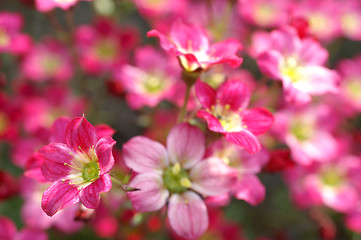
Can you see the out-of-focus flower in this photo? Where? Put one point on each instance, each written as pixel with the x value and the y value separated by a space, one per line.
pixel 191 45
pixel 248 186
pixel 8 185
pixel 153 78
pixel 226 112
pixel 307 133
pixel 265 13
pixel 79 168
pixel 298 63
pixel 11 40
pixel 350 19
pixel 104 46
pixel 176 175
pixel 334 184
pixel 49 60
pixel 48 5
pixel 7 229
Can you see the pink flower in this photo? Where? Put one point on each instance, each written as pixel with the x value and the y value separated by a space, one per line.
pixel 298 63
pixel 153 78
pixel 49 60
pixel 191 45
pixel 79 168
pixel 11 40
pixel 248 187
pixel 225 112
pixel 48 5
pixel 7 229
pixel 177 175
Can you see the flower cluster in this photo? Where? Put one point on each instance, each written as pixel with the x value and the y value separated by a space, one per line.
pixel 217 119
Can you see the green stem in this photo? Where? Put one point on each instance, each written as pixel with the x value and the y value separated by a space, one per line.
pixel 183 111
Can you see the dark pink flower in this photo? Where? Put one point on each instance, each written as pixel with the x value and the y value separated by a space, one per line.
pixel 225 112
pixel 79 168
pixel 191 45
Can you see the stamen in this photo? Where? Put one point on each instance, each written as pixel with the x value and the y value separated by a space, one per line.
pixel 176 168
pixel 71 166
pixel 185 182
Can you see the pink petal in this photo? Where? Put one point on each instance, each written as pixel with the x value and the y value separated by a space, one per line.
pixel 31 234
pixel 7 228
pixel 312 53
pixel 257 120
pixel 186 145
pixel 104 130
pixel 90 195
pixel 188 215
pixel 80 134
pixel 144 155
pixel 164 42
pixel 54 156
pixel 244 139
pixel 234 93
pixel 213 122
pixel 58 129
pixel 212 177
pixel 250 189
pixel 152 195
pixel 225 52
pixel 104 150
pixel 268 63
pixel 205 94
pixel 343 199
pixel 189 37
pixel 59 196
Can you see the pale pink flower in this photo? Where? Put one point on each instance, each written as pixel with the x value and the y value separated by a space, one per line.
pixel 177 174
pixel 298 63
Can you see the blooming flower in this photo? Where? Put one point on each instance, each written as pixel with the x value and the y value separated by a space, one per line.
pixel 79 168
pixel 47 5
pixel 176 175
pixel 225 112
pixel 298 63
pixel 191 45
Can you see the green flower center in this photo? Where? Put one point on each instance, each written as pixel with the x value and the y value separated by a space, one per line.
pixel 90 171
pixel 175 179
pixel 331 177
pixel 302 130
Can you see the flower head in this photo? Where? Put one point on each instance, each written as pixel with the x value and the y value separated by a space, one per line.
pixel 79 168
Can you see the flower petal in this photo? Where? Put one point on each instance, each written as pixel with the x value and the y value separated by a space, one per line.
pixel 205 94
pixel 104 150
pixel 152 195
pixel 58 130
pixel 244 139
pixel 187 214
pixel 250 189
pixel 186 145
pixel 257 120
pixel 145 155
pixel 213 123
pixel 59 196
pixel 213 177
pixel 234 93
pixel 90 195
pixel 80 134
pixel 54 156
pixel 225 52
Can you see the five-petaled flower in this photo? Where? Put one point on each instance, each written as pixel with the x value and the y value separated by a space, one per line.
pixel 225 112
pixel 178 175
pixel 191 45
pixel 79 168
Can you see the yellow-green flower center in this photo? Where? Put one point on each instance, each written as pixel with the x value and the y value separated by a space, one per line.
pixel 175 179
pixel 230 120
pixel 90 171
pixel 332 177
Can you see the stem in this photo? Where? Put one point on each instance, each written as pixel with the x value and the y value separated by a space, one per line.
pixel 183 111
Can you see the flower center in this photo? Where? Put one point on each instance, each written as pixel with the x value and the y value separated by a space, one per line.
pixel 106 49
pixel 302 130
pixel 331 177
pixel 90 171
pixel 292 70
pixel 4 38
pixel 353 88
pixel 153 84
pixel 230 120
pixel 175 179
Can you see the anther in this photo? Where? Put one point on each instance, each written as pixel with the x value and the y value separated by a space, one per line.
pixel 185 182
pixel 176 168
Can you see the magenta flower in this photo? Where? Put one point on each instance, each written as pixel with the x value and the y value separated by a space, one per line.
pixel 225 112
pixel 176 175
pixel 48 5
pixel 191 45
pixel 79 168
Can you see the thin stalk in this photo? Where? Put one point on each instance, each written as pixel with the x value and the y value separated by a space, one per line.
pixel 183 111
